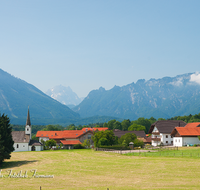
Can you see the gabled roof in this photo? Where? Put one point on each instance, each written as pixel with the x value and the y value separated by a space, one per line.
pixel 73 134
pixel 50 134
pixel 20 137
pixel 191 129
pixel 166 126
pixel 70 142
pixel 67 134
pixel 137 133
pixel 34 143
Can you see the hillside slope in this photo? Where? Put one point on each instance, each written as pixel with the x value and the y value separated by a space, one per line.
pixel 16 95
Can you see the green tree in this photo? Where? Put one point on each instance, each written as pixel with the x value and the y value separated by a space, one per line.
pixel 86 143
pixel 152 120
pixel 50 143
pixel 105 125
pixel 53 128
pixel 136 127
pixel 127 138
pixel 117 125
pixel 35 138
pixel 144 122
pixel 111 123
pixel 103 142
pixel 138 143
pixel 161 119
pixel 6 141
pixel 108 135
pixel 61 145
pixel 125 124
pixel 130 137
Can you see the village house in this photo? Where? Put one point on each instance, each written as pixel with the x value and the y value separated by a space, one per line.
pixel 22 139
pixel 119 133
pixel 69 137
pixel 161 131
pixel 188 135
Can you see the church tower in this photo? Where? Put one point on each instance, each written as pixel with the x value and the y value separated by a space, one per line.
pixel 28 125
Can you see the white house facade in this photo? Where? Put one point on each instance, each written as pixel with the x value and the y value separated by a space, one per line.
pixel 161 132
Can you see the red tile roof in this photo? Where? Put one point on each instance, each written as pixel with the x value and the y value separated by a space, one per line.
pixel 95 129
pixel 67 134
pixel 191 129
pixel 70 142
pixel 50 134
pixel 195 124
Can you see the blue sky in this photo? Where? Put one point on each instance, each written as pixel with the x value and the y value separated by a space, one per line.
pixel 87 44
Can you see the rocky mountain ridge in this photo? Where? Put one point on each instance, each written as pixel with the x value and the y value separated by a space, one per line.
pixel 64 95
pixel 166 97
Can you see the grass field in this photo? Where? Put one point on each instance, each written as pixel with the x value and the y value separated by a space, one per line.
pixel 191 152
pixel 88 169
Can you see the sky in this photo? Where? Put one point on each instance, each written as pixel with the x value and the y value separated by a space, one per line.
pixel 87 44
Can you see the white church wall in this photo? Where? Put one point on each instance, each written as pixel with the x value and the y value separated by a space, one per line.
pixel 21 147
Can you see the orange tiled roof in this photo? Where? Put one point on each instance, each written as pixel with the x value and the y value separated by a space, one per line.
pixel 50 134
pixel 70 142
pixel 191 129
pixel 67 134
pixel 95 129
pixel 195 124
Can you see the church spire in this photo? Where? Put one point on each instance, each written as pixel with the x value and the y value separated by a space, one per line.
pixel 28 121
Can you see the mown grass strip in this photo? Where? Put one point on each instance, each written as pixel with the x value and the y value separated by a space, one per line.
pixel 181 152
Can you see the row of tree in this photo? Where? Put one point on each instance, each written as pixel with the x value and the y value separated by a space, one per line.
pixel 107 138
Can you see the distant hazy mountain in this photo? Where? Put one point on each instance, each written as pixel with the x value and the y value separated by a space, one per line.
pixel 166 97
pixel 64 95
pixel 16 95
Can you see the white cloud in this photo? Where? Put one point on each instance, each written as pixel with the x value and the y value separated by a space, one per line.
pixel 195 78
pixel 178 82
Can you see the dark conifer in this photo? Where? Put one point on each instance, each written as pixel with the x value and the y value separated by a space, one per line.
pixel 6 141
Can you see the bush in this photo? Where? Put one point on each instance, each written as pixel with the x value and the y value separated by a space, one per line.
pixel 78 146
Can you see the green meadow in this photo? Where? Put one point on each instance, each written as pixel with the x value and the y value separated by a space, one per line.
pixel 88 169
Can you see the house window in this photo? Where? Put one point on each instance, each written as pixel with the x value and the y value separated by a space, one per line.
pixel 175 140
pixel 166 136
pixel 179 140
pixel 167 142
pixel 17 146
pixel 89 136
pixel 171 142
pixel 27 129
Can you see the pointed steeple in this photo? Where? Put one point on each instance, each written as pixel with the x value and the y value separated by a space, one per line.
pixel 28 121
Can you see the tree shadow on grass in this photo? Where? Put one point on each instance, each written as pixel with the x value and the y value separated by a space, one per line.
pixel 11 164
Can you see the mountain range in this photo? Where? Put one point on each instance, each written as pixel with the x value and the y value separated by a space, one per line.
pixel 160 98
pixel 16 95
pixel 64 95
